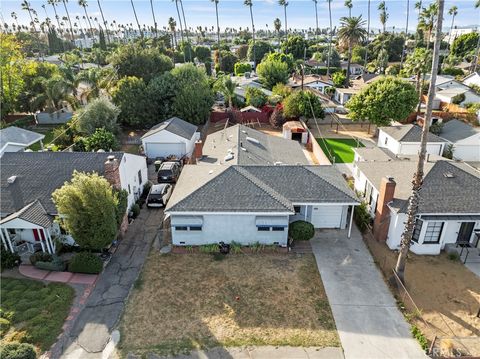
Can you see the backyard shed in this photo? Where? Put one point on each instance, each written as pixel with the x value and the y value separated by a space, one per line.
pixel 294 130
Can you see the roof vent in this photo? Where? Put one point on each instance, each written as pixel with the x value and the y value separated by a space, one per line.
pixel 11 179
pixel 278 163
pixel 229 157
pixel 253 140
pixel 111 157
pixel 449 175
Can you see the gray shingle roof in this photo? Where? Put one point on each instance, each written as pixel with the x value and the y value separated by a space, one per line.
pixel 238 139
pixel 174 125
pixel 257 188
pixel 18 135
pixel 456 130
pixel 33 213
pixel 409 133
pixel 38 174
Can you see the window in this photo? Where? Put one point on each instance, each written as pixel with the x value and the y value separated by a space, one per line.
pixel 278 229
pixel 263 229
pixel 297 209
pixel 139 176
pixel 181 228
pixel 433 232
pixel 386 140
pixel 417 230
pixel 195 228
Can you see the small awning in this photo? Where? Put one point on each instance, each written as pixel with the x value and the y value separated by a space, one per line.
pixel 187 220
pixel 458 217
pixel 267 221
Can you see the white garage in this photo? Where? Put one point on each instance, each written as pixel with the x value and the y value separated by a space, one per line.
pixel 171 137
pixel 326 216
pixel 464 139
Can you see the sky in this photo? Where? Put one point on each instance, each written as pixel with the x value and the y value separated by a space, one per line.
pixel 232 13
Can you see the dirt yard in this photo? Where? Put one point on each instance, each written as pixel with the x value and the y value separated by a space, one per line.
pixel 447 293
pixel 192 301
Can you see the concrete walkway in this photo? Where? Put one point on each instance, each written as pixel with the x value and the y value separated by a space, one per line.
pixel 368 321
pixel 93 327
pixel 30 271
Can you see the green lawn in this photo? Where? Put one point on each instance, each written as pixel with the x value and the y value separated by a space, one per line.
pixel 340 148
pixel 33 312
pixel 48 132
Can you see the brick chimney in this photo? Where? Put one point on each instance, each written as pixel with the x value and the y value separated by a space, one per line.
pixel 382 213
pixel 112 172
pixel 198 150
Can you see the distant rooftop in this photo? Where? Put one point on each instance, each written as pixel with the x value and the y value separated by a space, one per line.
pixel 455 130
pixel 19 136
pixel 408 133
pixel 174 125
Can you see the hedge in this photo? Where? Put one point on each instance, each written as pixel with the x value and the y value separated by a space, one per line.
pixel 301 231
pixel 8 259
pixel 56 264
pixel 85 262
pixel 40 257
pixel 17 351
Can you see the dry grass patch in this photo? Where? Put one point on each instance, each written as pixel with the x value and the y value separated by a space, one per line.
pixel 193 301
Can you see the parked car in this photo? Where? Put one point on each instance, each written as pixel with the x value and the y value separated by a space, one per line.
pixel 169 172
pixel 159 195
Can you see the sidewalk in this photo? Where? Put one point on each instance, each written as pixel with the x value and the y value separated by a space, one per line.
pixel 30 271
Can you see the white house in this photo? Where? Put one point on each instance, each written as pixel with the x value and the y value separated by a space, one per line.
pixel 355 69
pixel 464 138
pixel 317 82
pixel 405 140
pixel 14 139
pixel 28 180
pixel 472 79
pixel 250 204
pixel 171 137
pixel 449 211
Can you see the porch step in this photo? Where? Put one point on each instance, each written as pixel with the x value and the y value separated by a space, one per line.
pixel 302 247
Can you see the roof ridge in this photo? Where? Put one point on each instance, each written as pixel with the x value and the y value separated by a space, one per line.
pixel 309 169
pixel 262 185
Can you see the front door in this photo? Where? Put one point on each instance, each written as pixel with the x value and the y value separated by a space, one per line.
pixel 465 232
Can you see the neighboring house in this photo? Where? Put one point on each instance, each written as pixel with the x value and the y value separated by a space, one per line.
pixel 405 140
pixel 28 180
pixel 14 139
pixel 449 209
pixel 451 94
pixel 244 82
pixel 171 137
pixel 464 138
pixel 317 82
pixel 355 69
pixel 243 145
pixel 342 95
pixel 472 79
pixel 250 204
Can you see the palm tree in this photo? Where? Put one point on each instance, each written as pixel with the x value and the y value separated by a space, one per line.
pixel 26 6
pixel 218 26
pixel 417 63
pixel 83 3
pixel 249 3
pixel 330 29
pixel 15 17
pixel 154 21
pixel 171 25
pixel 382 7
pixel 136 19
pixel 103 19
pixel 368 33
pixel 277 24
pixel 54 5
pixel 414 199
pixel 186 31
pixel 316 17
pixel 284 3
pixel 453 12
pixel 406 35
pixel 349 5
pixel 68 17
pixel 226 86
pixel 179 19
pixel 56 91
pixel 428 19
pixel 352 32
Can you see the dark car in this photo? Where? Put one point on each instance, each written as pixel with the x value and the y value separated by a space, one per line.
pixel 168 172
pixel 159 195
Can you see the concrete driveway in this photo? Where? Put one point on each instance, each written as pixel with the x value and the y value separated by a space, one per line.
pixel 368 321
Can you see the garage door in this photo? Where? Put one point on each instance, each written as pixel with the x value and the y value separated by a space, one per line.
pixel 153 150
pixel 327 216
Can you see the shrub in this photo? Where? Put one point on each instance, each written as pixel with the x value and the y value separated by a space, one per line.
pixel 242 67
pixel 277 119
pixel 417 334
pixel 209 248
pixel 56 264
pixel 4 326
pixel 452 71
pixel 85 262
pixel 135 210
pixel 362 217
pixel 17 351
pixel 436 128
pixel 40 257
pixel 301 231
pixel 454 256
pixel 8 259
pixel 458 99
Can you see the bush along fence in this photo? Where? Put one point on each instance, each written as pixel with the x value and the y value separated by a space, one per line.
pixel 235 248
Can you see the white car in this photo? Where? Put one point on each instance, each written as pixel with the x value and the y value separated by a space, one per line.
pixel 159 195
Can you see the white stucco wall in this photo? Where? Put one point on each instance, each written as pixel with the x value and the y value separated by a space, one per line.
pixel 467 149
pixel 407 148
pixel 391 144
pixel 129 167
pixel 166 137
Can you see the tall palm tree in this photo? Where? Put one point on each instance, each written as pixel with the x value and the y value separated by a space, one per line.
pixel 218 25
pixel 406 35
pixel 226 86
pixel 453 12
pixel 316 18
pixel 103 19
pixel 428 19
pixel 136 19
pixel 15 17
pixel 179 19
pixel 418 6
pixel 348 4
pixel 414 199
pixel 68 18
pixel 83 3
pixel 186 31
pixel 277 24
pixel 171 25
pixel 330 29
pixel 27 7
pixel 382 7
pixel 352 31
pixel 154 21
pixel 368 33
pixel 284 3
pixel 249 3
pixel 54 5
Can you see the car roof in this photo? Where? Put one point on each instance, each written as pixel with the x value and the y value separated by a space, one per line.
pixel 158 188
pixel 168 165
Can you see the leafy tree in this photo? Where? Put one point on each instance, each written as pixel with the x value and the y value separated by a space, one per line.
pixel 279 56
pixel 129 96
pixel 295 45
pixel 452 71
pixel 277 119
pixel 261 49
pixel 255 97
pixel 303 104
pixel 242 67
pixel 145 63
pixel 358 54
pixel 101 140
pixel 227 61
pixel 334 57
pixel 465 45
pixel 281 90
pixel 393 70
pixel 242 52
pixel 194 97
pixel 160 94
pixel 88 204
pixel 383 101
pixel 202 53
pixel 338 78
pixel 11 69
pixel 100 113
pixel 272 72
pixel 392 43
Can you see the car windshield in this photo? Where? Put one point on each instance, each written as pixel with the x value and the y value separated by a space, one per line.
pixel 155 196
pixel 165 173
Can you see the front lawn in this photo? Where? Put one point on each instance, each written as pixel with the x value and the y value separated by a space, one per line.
pixel 188 301
pixel 340 148
pixel 33 312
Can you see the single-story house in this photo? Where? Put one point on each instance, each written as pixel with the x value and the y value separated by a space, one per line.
pixel 242 145
pixel 472 79
pixel 405 140
pixel 464 138
pixel 244 82
pixel 171 137
pixel 449 95
pixel 317 82
pixel 342 95
pixel 28 179
pixel 355 69
pixel 449 210
pixel 250 204
pixel 14 139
